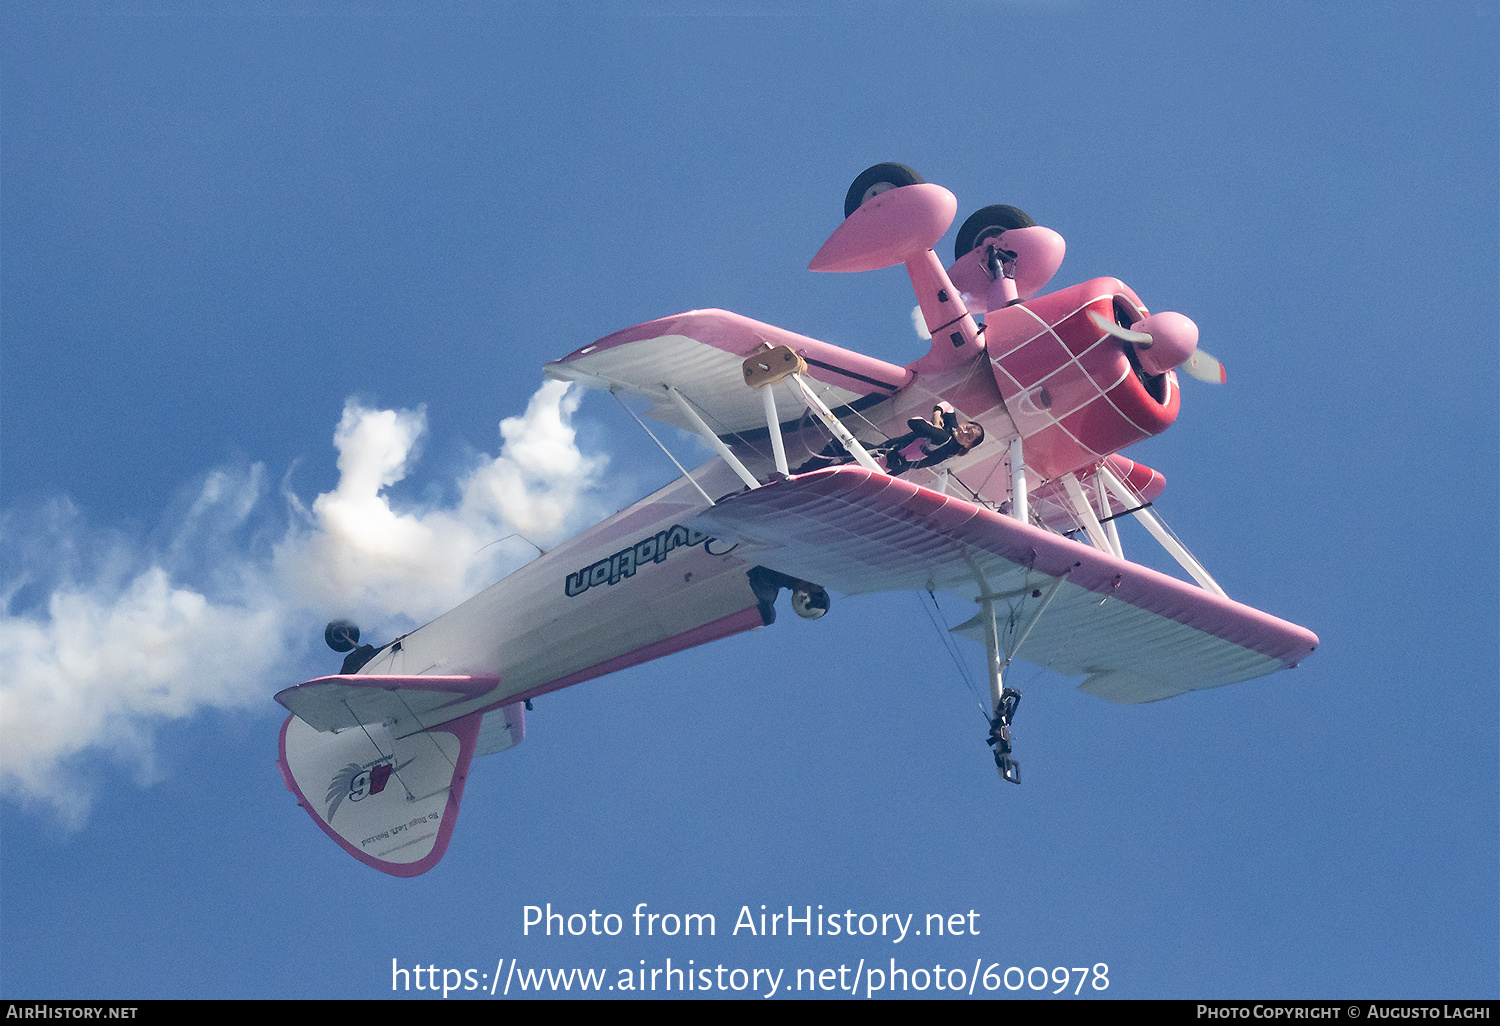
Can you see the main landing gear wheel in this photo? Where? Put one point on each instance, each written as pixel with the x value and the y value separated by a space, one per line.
pixel 875 180
pixel 986 224
pixel 809 601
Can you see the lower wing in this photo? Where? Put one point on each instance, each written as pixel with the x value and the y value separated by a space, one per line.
pixel 1137 635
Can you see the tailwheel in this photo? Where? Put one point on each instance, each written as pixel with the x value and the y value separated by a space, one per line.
pixel 341 635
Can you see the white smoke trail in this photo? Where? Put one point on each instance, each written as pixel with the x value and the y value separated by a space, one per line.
pixel 118 647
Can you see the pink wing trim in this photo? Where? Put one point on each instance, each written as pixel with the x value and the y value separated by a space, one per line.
pixel 890 530
pixel 741 336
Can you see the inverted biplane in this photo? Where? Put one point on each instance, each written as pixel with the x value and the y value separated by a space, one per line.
pixel 833 471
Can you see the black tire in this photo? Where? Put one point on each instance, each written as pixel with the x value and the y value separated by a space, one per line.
pixel 891 176
pixel 983 224
pixel 341 636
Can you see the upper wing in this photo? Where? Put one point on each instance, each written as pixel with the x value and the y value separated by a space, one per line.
pixel 1138 635
pixel 700 354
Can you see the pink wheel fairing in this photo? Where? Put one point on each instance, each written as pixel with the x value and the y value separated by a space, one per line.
pixel 888 228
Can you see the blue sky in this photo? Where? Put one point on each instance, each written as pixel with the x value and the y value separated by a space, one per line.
pixel 220 223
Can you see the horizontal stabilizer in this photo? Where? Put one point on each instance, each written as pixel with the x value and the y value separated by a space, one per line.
pixel 1135 633
pixel 405 704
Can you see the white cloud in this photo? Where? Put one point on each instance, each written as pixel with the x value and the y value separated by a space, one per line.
pixel 354 553
pixel 540 475
pixel 919 322
pixel 113 651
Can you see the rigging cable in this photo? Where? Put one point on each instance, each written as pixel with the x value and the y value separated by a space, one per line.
pixel 951 647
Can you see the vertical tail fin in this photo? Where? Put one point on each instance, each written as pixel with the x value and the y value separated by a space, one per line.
pixel 389 801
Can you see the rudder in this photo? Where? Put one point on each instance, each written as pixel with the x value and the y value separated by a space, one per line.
pixel 390 802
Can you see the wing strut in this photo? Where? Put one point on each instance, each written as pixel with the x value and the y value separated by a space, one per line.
pixel 1110 530
pixel 765 368
pixel 1086 513
pixel 663 448
pixel 773 425
pixel 1182 555
pixel 1018 498
pixel 839 431
pixel 714 441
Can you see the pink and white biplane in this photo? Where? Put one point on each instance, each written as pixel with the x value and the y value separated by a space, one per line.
pixel 833 471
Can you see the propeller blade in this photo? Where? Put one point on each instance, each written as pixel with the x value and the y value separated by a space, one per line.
pixel 1109 327
pixel 1205 368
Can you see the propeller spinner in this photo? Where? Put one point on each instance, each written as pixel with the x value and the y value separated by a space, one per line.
pixel 1164 341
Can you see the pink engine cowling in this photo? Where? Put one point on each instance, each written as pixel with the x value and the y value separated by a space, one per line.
pixel 1077 393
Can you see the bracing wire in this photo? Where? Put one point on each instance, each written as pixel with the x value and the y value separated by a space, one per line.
pixel 690 479
pixel 879 430
pixel 707 415
pixel 951 648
